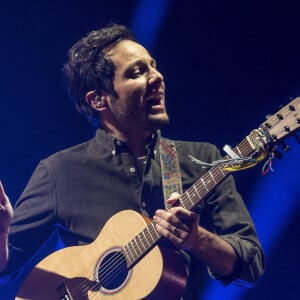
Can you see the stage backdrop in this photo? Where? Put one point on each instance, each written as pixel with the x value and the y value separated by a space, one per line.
pixel 227 64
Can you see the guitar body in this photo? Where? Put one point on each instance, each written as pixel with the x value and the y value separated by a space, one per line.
pixel 83 272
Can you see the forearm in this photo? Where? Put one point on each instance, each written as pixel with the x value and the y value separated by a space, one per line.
pixel 215 252
pixel 3 252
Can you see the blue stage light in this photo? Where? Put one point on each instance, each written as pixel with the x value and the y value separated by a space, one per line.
pixel 147 19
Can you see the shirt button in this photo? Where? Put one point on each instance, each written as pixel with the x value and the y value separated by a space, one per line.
pixel 132 170
pixel 143 204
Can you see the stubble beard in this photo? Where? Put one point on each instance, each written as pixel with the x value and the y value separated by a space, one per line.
pixel 134 118
pixel 156 121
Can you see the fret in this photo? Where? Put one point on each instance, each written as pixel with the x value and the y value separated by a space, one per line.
pixel 145 240
pixel 157 235
pixel 196 190
pixel 136 247
pixel 203 182
pixel 208 182
pixel 135 254
pixel 189 197
pixel 181 201
pixel 221 170
pixel 141 242
pixel 217 175
pixel 211 175
pixel 238 150
pixel 127 255
pixel 150 236
pixel 246 146
pixel 145 237
pixel 127 247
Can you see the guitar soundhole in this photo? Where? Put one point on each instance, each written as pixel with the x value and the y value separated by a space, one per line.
pixel 112 272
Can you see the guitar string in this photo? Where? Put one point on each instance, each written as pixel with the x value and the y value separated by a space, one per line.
pixel 112 266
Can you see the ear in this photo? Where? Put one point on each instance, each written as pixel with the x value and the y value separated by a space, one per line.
pixel 95 101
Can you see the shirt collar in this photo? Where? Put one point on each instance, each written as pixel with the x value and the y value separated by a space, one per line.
pixel 116 146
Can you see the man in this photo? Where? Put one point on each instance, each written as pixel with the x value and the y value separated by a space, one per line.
pixel 116 85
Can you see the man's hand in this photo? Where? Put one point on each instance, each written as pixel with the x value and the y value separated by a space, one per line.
pixel 6 211
pixel 177 224
pixel 182 228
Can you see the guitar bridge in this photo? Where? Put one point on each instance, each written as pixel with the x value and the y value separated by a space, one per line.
pixel 63 293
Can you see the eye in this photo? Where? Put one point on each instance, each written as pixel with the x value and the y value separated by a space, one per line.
pixel 137 70
pixel 136 73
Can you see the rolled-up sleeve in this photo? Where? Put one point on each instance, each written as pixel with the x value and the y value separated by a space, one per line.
pixel 227 216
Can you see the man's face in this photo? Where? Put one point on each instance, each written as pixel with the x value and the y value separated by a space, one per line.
pixel 140 104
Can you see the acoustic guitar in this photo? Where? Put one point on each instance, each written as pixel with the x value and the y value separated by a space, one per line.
pixel 129 260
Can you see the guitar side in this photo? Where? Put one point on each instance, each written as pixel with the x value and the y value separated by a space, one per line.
pixel 72 272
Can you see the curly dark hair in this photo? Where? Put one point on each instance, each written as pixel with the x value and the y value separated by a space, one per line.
pixel 89 69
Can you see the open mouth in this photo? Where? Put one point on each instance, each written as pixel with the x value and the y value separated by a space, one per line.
pixel 154 101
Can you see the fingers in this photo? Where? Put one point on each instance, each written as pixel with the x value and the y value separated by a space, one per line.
pixel 173 199
pixel 176 224
pixel 172 233
pixel 169 222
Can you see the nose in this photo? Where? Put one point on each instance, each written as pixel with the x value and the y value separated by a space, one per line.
pixel 155 76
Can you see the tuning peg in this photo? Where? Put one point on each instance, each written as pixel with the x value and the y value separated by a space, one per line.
pixel 279 116
pixel 292 107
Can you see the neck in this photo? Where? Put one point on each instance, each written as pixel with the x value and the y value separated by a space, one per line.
pixel 136 140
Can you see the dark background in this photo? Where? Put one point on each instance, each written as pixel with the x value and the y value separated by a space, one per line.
pixel 227 64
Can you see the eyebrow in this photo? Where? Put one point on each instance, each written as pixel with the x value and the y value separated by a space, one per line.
pixel 139 61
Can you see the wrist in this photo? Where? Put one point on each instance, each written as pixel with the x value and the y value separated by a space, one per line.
pixel 201 242
pixel 215 252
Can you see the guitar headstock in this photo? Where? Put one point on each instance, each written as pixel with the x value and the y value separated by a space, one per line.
pixel 284 123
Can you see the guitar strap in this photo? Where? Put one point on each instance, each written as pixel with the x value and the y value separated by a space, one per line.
pixel 171 177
